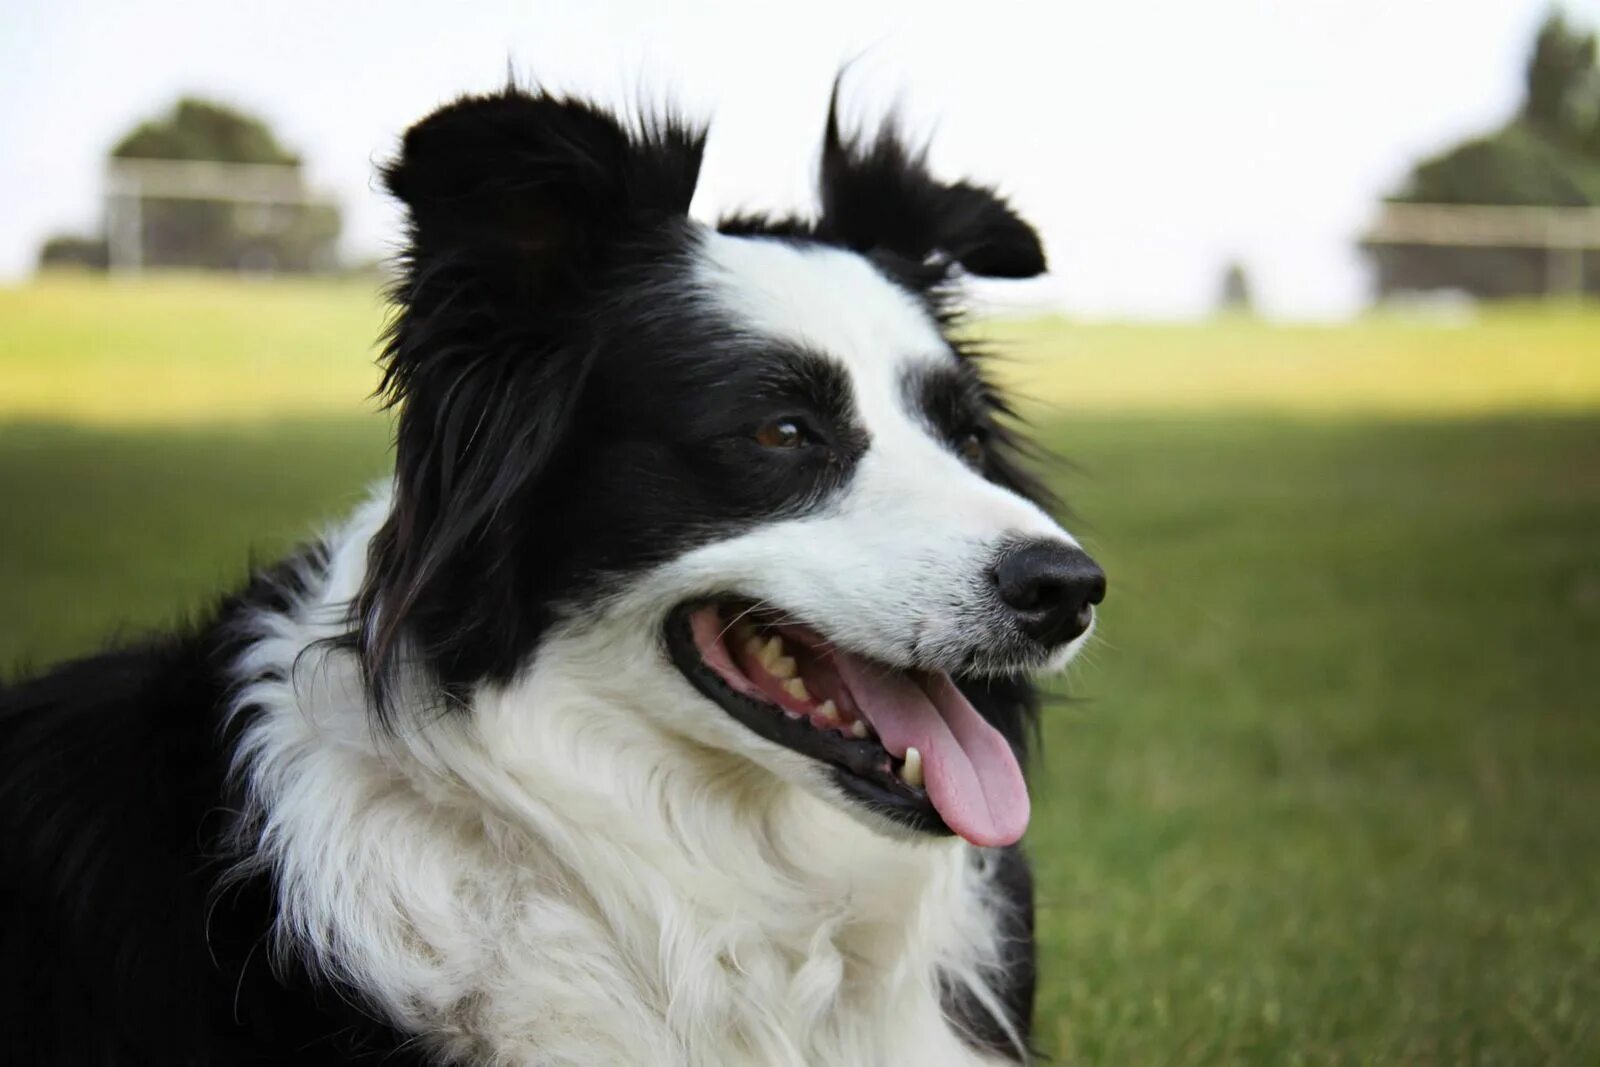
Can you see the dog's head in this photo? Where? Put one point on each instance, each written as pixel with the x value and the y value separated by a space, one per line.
pixel 753 458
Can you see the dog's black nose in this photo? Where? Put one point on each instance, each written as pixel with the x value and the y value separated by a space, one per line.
pixel 1051 587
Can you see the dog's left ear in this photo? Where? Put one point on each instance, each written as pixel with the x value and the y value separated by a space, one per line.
pixel 878 195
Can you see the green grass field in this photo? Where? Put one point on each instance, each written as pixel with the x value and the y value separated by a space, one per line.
pixel 1327 791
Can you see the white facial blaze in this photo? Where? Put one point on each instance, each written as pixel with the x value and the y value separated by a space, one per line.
pixel 894 566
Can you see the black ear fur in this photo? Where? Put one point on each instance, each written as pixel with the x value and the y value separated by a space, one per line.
pixel 519 206
pixel 878 196
pixel 539 184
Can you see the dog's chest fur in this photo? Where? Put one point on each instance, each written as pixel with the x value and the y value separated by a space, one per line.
pixel 543 883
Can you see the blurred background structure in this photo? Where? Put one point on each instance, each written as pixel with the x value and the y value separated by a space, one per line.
pixel 204 187
pixel 1514 212
pixel 1320 343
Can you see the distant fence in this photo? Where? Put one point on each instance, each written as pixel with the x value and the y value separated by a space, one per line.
pixel 1564 234
pixel 129 183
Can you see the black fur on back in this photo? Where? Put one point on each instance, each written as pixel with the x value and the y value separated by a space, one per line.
pixel 116 946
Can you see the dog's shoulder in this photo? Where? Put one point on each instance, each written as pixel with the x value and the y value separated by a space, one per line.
pixel 106 773
pixel 116 943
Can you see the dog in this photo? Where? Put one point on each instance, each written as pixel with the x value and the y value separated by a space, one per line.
pixel 668 704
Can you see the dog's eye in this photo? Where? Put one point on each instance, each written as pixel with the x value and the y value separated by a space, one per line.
pixel 782 433
pixel 970 446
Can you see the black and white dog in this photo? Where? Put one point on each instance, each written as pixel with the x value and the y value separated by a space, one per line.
pixel 665 707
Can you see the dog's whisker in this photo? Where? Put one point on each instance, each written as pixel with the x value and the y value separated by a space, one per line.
pixel 736 619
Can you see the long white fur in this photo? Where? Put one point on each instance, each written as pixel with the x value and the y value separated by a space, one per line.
pixel 599 866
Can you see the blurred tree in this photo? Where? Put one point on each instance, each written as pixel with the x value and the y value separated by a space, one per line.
pixel 1563 85
pixel 1548 156
pixel 217 234
pixel 200 129
pixel 1236 296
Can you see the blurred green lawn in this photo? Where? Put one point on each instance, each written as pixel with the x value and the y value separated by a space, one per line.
pixel 1328 790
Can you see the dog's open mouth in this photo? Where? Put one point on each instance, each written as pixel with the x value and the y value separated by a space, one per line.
pixel 905 742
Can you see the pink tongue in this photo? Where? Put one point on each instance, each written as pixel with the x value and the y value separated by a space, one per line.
pixel 969 770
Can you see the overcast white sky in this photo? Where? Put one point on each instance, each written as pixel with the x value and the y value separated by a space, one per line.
pixel 1148 140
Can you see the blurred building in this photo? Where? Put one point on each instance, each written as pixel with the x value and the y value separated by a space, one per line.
pixel 206 187
pixel 1515 212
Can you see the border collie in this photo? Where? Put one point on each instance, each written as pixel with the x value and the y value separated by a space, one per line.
pixel 665 707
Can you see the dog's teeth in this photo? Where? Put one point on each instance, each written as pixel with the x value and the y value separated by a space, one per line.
pixel 828 711
pixel 858 729
pixel 771 651
pixel 796 688
pixel 782 667
pixel 911 773
pixel 752 647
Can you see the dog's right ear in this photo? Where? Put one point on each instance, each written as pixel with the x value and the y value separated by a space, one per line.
pixel 518 205
pixel 535 191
